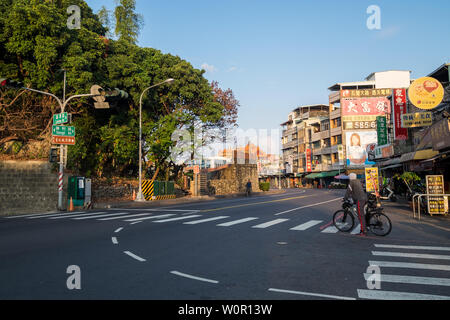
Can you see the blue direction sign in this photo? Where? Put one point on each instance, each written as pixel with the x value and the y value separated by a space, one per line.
pixel 60 118
pixel 63 131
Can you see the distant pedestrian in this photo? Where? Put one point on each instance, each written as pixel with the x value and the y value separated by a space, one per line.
pixel 248 188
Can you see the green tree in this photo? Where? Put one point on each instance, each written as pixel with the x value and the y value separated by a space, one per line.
pixel 128 23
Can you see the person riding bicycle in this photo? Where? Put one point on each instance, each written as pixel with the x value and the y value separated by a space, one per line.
pixel 248 187
pixel 355 191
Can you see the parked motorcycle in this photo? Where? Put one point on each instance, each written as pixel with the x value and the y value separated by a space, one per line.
pixel 387 194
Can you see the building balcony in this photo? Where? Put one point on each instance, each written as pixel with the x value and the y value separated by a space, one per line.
pixel 320 135
pixel 336 131
pixel 335 114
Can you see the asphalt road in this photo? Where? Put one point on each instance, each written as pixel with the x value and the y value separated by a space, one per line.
pixel 274 247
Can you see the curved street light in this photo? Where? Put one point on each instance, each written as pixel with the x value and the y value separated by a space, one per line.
pixel 140 196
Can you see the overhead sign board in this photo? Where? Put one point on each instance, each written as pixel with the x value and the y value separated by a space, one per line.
pixel 426 93
pixel 415 120
pixel 435 185
pixel 366 93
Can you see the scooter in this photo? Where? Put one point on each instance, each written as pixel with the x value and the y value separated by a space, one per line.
pixel 388 194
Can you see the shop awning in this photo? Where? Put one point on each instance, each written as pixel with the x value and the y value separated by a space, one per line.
pixel 312 176
pixel 342 177
pixel 419 155
pixel 392 167
pixel 329 174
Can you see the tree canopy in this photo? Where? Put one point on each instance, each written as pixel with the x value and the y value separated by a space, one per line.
pixel 35 45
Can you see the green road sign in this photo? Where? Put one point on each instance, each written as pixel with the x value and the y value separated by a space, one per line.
pixel 63 131
pixel 60 118
pixel 382 131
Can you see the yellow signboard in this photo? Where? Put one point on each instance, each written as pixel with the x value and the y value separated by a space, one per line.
pixel 426 93
pixel 372 180
pixel 419 119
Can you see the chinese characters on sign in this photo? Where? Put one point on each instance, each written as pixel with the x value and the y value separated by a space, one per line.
pixel 435 185
pixel 414 120
pixel 382 131
pixel 400 133
pixel 308 160
pixel 63 140
pixel 366 107
pixel 426 93
pixel 372 182
pixel 367 93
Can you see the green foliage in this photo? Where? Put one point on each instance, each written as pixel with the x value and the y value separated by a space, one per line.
pixel 35 44
pixel 264 186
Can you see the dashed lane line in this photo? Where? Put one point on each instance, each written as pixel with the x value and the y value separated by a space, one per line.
pixel 180 274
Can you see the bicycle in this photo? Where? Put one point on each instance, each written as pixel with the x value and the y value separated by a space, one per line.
pixel 376 221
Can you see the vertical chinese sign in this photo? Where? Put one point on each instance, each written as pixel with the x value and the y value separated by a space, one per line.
pixel 400 133
pixel 308 160
pixel 435 185
pixel 382 131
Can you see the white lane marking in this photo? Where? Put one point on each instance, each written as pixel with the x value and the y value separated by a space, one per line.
pixel 311 294
pixel 177 219
pixel 134 256
pixel 43 216
pixel 232 223
pixel 114 240
pixel 330 230
pixel 102 216
pixel 206 220
pixel 68 216
pixel 410 255
pixel 391 264
pixel 126 217
pixel 149 218
pixel 270 223
pixel 307 225
pixel 387 246
pixel 411 280
pixel 118 230
pixel 177 273
pixel 308 206
pixel 392 295
pixel 136 222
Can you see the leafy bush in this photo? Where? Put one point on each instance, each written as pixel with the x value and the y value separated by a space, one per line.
pixel 264 186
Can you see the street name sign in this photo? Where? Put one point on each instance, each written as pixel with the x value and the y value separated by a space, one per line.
pixel 60 118
pixel 63 131
pixel 69 141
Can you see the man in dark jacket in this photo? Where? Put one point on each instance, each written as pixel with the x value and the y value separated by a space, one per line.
pixel 356 192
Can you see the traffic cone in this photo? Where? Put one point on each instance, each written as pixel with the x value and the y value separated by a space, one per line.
pixel 71 205
pixel 134 195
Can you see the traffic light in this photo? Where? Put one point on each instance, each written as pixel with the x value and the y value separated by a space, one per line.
pixel 13 84
pixel 116 94
pixel 54 155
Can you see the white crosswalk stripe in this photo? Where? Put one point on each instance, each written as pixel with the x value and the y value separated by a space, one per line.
pixel 236 222
pixel 178 219
pixel 206 220
pixel 270 224
pixel 136 220
pixel 330 230
pixel 126 217
pixel 307 225
pixel 102 216
pixel 391 273
pixel 69 216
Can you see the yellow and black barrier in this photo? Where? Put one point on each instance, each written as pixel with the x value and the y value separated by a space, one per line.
pixel 158 190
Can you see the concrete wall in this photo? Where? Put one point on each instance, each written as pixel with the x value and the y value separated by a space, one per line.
pixel 28 187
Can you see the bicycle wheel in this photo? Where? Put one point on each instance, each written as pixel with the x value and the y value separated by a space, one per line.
pixel 380 224
pixel 343 220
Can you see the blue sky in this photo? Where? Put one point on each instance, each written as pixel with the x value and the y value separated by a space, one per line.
pixel 277 55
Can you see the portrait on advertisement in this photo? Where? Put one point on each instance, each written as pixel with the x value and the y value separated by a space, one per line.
pixel 357 143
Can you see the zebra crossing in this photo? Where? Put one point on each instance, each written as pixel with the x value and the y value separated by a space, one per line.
pixel 186 217
pixel 421 273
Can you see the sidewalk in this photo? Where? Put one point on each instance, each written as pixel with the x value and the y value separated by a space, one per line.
pixel 403 206
pixel 183 200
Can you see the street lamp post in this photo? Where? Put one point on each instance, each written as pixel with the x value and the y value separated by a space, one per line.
pixel 140 196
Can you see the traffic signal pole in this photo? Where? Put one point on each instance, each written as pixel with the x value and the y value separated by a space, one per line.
pixel 62 105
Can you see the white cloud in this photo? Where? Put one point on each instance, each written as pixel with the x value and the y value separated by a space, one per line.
pixel 208 68
pixel 232 69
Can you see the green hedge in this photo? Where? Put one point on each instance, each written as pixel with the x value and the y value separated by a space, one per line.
pixel 264 186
